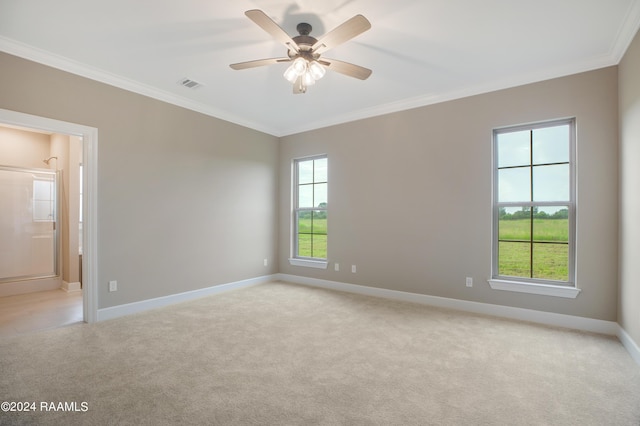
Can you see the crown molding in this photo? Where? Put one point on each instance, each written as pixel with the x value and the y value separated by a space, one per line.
pixel 627 32
pixel 62 63
pixel 479 89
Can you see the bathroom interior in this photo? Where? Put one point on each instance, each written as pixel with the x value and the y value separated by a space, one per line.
pixel 40 230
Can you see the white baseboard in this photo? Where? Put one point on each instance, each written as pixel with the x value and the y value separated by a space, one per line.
pixel 145 305
pixel 539 317
pixel 29 286
pixel 71 287
pixel 631 346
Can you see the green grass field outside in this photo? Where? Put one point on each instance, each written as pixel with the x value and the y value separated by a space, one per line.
pixel 550 261
pixel 312 237
pixel 543 229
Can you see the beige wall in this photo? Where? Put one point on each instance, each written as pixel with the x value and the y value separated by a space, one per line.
pixel 410 194
pixel 19 148
pixel 185 201
pixel 629 95
pixel 66 149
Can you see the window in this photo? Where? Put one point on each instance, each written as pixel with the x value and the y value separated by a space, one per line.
pixel 310 212
pixel 534 208
pixel 44 198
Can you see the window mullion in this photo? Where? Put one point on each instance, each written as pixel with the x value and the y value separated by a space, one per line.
pixel 532 205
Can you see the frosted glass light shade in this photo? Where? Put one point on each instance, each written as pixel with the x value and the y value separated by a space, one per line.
pixel 300 65
pixel 308 80
pixel 291 74
pixel 316 70
pixel 296 69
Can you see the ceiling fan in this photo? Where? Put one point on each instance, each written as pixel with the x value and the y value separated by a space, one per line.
pixel 304 51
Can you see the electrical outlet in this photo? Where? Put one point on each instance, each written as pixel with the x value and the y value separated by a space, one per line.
pixel 336 267
pixel 353 269
pixel 469 282
pixel 266 262
pixel 113 286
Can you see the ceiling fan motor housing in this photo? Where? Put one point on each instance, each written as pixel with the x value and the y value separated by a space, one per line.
pixel 304 42
pixel 304 29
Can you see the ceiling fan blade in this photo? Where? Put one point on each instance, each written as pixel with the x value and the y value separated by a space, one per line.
pixel 258 63
pixel 343 32
pixel 346 68
pixel 268 24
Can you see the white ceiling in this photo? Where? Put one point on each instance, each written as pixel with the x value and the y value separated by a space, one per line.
pixel 421 51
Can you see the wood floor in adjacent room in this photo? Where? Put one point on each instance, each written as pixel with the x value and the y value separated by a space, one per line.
pixel 42 310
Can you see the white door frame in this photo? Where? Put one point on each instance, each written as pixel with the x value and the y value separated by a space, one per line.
pixel 89 197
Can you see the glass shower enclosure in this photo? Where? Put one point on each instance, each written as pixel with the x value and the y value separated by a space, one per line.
pixel 28 223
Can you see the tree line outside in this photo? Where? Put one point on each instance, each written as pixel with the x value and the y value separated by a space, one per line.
pixel 525 213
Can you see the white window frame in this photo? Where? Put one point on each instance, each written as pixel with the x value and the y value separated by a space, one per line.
pixel 294 259
pixel 566 289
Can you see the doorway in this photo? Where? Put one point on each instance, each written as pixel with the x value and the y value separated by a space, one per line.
pixel 29 224
pixel 88 210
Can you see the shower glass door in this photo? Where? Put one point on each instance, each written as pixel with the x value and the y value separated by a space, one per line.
pixel 28 217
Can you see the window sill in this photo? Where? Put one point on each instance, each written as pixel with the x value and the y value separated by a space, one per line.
pixel 319 264
pixel 543 289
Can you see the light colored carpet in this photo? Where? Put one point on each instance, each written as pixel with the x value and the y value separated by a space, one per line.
pixel 278 354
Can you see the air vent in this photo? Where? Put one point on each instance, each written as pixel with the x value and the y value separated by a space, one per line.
pixel 188 83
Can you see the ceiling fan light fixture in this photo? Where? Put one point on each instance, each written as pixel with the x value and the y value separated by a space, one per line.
pixel 291 74
pixel 308 80
pixel 300 65
pixel 296 69
pixel 316 70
